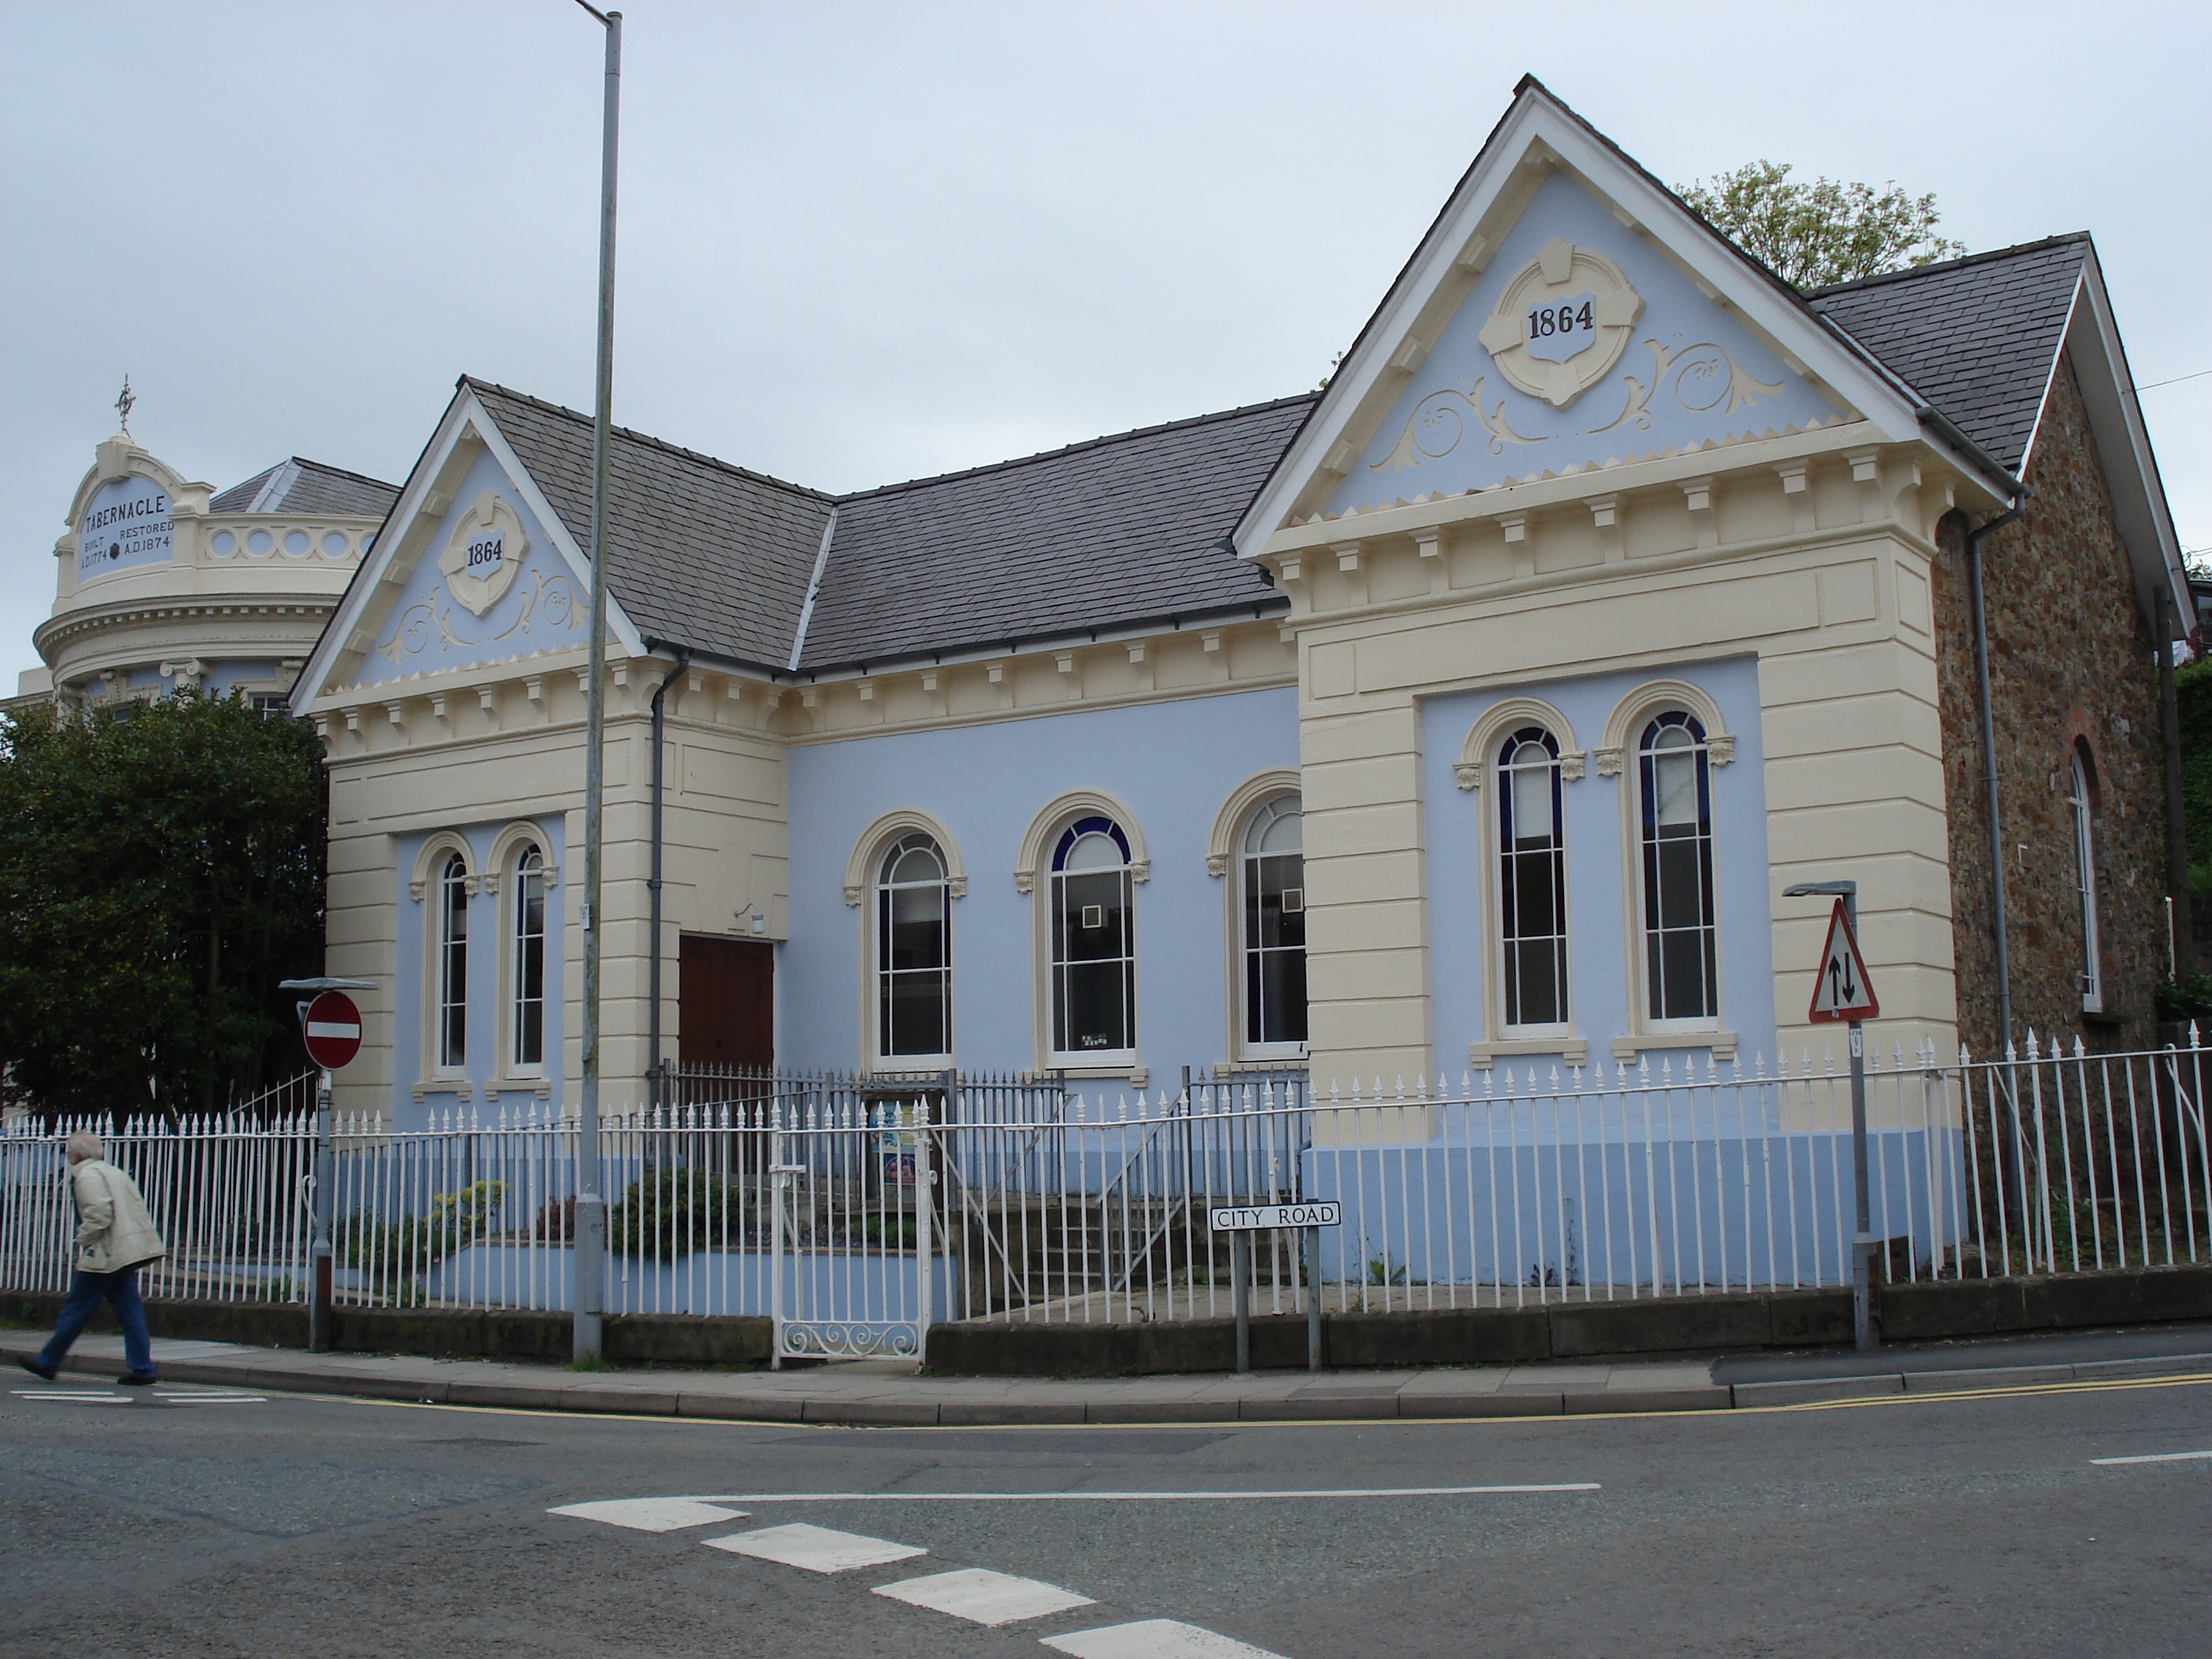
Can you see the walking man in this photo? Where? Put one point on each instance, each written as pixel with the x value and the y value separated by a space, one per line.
pixel 115 1237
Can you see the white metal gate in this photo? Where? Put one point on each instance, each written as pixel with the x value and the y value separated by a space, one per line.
pixel 856 1238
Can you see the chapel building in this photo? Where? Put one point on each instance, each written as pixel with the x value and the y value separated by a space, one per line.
pixel 1474 712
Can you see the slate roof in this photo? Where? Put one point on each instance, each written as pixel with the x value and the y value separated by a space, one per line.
pixel 1109 533
pixel 1976 337
pixel 309 487
pixel 1128 530
pixel 703 554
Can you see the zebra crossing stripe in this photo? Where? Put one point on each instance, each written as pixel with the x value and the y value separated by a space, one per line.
pixel 983 1597
pixel 1153 1638
pixel 650 1514
pixel 815 1549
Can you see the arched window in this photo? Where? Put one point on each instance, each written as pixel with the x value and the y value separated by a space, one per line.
pixel 2081 808
pixel 1532 880
pixel 1274 930
pixel 1680 964
pixel 1094 952
pixel 526 981
pixel 452 1037
pixel 914 951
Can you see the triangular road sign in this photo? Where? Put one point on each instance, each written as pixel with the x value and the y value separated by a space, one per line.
pixel 1841 989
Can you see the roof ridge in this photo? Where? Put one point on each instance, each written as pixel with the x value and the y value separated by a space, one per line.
pixel 648 440
pixel 1188 421
pixel 1939 266
pixel 340 471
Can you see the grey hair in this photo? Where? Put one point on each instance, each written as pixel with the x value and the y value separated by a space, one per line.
pixel 84 1145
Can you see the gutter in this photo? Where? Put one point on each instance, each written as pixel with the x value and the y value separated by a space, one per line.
pixel 1942 424
pixel 1974 538
pixel 653 882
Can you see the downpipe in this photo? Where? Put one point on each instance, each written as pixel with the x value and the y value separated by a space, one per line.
pixel 656 1076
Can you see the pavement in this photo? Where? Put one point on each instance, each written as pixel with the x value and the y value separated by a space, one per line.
pixel 889 1394
pixel 201 1521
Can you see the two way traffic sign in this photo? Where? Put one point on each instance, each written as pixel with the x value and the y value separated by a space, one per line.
pixel 1841 989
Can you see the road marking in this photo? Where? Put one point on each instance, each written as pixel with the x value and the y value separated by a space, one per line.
pixel 1127 1497
pixel 815 1549
pixel 983 1597
pixel 73 1396
pixel 2157 1457
pixel 1153 1638
pixel 217 1398
pixel 651 1514
pixel 2100 1385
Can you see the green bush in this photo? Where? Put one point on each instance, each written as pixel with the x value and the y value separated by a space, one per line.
pixel 2188 997
pixel 673 1212
pixel 411 1246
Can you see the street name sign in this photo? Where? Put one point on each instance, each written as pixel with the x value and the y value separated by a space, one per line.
pixel 331 1027
pixel 1260 1218
pixel 1841 989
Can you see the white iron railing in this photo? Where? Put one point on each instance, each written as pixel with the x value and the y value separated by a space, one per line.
pixel 856 1211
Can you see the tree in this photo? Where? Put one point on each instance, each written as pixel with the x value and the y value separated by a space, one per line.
pixel 160 870
pixel 1824 232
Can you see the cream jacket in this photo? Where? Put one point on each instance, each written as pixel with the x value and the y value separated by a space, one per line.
pixel 113 1230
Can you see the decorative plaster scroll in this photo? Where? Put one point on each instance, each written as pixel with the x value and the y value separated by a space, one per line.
pixel 1437 423
pixel 1609 762
pixel 868 851
pixel 1243 801
pixel 435 853
pixel 1058 813
pixel 1702 378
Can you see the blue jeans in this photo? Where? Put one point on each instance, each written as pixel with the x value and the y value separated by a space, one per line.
pixel 86 1292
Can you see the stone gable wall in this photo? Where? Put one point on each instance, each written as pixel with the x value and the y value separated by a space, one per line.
pixel 2071 660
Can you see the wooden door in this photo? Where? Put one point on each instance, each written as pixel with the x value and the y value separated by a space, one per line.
pixel 726 1005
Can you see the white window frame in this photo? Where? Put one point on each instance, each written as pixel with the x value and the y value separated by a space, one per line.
pixel 1245 872
pixel 875 921
pixel 1502 858
pixel 529 865
pixel 2081 807
pixel 1070 836
pixel 452 890
pixel 1645 779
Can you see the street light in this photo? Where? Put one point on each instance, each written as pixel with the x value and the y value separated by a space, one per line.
pixel 586 1298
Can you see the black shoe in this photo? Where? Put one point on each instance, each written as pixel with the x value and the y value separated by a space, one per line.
pixel 33 1367
pixel 136 1379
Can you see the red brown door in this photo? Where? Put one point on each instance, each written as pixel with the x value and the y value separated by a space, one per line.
pixel 726 1002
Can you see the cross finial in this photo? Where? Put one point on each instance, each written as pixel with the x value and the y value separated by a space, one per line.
pixel 123 401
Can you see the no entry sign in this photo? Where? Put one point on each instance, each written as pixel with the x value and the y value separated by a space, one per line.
pixel 332 1028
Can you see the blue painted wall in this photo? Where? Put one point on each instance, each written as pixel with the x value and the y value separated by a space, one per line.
pixel 1687 399
pixel 428 631
pixel 1597 906
pixel 487 943
pixel 1174 764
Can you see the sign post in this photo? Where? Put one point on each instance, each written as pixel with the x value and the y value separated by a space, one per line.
pixel 1843 994
pixel 1240 1221
pixel 330 1027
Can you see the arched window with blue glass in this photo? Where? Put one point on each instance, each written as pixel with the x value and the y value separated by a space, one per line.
pixel 914 953
pixel 1680 949
pixel 1532 881
pixel 1093 946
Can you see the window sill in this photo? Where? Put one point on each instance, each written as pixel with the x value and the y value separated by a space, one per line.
pixel 459 1087
pixel 1626 1049
pixel 541 1087
pixel 1138 1077
pixel 1571 1050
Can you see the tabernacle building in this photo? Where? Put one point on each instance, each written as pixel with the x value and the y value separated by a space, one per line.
pixel 1476 711
pixel 162 584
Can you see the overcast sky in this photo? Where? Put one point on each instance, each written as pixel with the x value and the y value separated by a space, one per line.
pixel 862 243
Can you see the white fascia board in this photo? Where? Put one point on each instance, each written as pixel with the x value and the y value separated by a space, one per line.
pixel 1535 121
pixel 2124 447
pixel 466 412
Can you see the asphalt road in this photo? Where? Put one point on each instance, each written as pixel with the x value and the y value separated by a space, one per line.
pixel 199 1523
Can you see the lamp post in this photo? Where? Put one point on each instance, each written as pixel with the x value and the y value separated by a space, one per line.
pixel 587 1297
